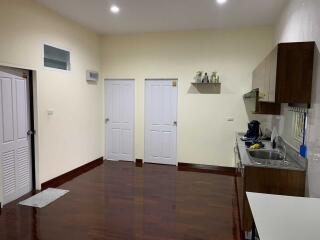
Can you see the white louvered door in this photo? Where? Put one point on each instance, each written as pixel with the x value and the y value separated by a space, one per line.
pixel 16 171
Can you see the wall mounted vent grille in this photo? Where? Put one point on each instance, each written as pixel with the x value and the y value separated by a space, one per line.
pixel 56 58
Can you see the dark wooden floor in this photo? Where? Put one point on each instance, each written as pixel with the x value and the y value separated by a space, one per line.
pixel 119 201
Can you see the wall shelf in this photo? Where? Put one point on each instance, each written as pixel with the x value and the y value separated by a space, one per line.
pixel 205 88
pixel 201 84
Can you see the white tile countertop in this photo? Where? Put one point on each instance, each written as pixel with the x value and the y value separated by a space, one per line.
pixel 285 218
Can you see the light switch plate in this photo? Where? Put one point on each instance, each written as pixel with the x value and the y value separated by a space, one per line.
pixel 50 112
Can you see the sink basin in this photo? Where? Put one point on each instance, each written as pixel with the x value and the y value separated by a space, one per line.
pixel 266 154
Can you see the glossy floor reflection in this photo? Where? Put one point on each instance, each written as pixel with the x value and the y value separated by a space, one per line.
pixel 119 201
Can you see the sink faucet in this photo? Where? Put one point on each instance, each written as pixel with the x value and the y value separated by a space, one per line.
pixel 281 146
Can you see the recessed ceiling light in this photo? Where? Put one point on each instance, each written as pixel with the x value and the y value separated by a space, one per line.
pixel 114 9
pixel 221 1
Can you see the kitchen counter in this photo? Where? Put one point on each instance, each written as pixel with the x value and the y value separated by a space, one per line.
pixel 295 161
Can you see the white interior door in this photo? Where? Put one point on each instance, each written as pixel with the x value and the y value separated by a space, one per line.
pixel 119 102
pixel 15 142
pixel 161 121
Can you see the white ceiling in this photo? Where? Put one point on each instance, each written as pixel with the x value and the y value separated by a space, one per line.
pixel 167 15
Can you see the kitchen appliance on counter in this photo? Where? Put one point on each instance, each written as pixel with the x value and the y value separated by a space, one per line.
pixel 254 131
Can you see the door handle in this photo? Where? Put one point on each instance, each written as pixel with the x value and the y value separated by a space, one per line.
pixel 31 132
pixel 107 120
pixel 175 123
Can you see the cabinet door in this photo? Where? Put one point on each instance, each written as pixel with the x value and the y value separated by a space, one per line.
pixel 239 184
pixel 255 82
pixel 273 75
pixel 295 72
pixel 240 192
pixel 266 80
pixel 259 76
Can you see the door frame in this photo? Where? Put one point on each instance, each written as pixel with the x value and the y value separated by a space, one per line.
pixel 105 116
pixel 32 127
pixel 145 115
pixel 32 105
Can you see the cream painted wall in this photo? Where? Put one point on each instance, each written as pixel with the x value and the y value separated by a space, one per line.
pixel 73 135
pixel 204 134
pixel 300 21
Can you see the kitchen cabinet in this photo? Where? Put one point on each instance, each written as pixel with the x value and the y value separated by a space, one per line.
pixel 285 75
pixel 261 82
pixel 266 107
pixel 275 179
pixel 239 181
pixel 273 75
pixel 265 180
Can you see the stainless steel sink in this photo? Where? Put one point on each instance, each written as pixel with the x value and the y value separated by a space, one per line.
pixel 273 158
pixel 266 154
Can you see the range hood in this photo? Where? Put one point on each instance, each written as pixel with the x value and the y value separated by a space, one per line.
pixel 252 94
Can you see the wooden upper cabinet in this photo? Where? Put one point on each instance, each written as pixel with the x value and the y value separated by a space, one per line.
pixel 260 82
pixel 295 72
pixel 273 75
pixel 285 75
